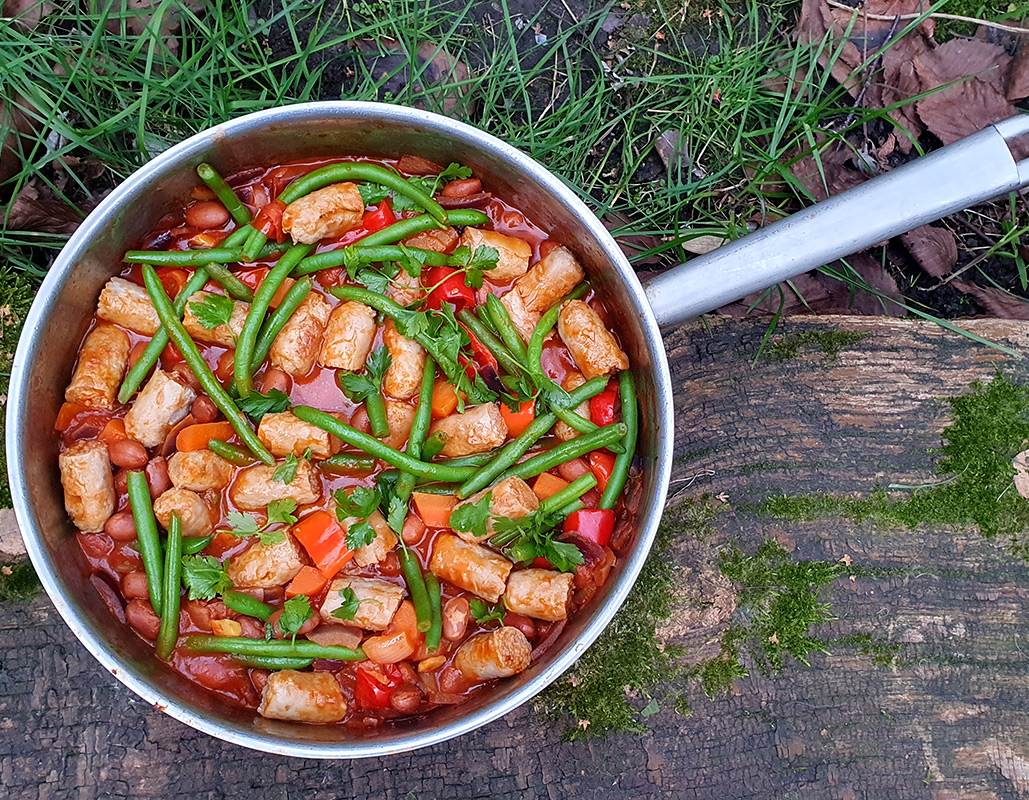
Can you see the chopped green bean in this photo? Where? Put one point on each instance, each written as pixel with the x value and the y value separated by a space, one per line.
pixel 433 445
pixel 566 451
pixel 146 531
pixel 232 285
pixel 274 662
pixel 416 586
pixel 432 638
pixel 194 544
pixel 216 183
pixel 277 321
pixel 254 244
pixel 419 427
pixel 499 350
pixel 369 255
pixel 272 648
pixel 237 238
pixel 573 420
pixel 231 453
pixel 196 362
pixel 346 463
pixel 534 352
pixel 505 327
pixel 134 377
pixel 573 491
pixel 630 416
pixel 183 258
pixel 245 604
pixel 172 594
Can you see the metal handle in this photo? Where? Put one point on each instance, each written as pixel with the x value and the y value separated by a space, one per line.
pixel 973 170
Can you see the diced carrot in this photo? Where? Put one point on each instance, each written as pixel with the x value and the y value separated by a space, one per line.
pixel 434 509
pixel 68 413
pixel 325 541
pixel 280 293
pixel 518 421
pixel 197 437
pixel 207 239
pixel 444 400
pixel 113 431
pixel 308 581
pixel 547 485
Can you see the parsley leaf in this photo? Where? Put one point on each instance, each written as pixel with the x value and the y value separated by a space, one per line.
pixel 483 613
pixel 360 503
pixel 359 386
pixel 213 310
pixel 360 534
pixel 474 264
pixel 454 172
pixel 395 508
pixel 243 524
pixel 271 537
pixel 472 517
pixel 532 537
pixel 295 612
pixel 373 280
pixel 204 577
pixel 256 405
pixel 403 203
pixel 348 610
pixel 281 511
pixel 378 362
pixel 372 194
pixel 565 556
pixel 287 470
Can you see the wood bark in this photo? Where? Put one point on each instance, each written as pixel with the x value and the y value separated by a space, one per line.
pixel 949 720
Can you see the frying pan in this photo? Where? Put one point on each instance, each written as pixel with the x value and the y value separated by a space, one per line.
pixel 973 170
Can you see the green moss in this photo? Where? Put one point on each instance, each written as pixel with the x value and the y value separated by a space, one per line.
pixel 991 426
pixel 828 343
pixel 994 10
pixel 884 653
pixel 18 581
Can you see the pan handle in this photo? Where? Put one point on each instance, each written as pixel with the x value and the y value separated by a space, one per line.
pixel 972 170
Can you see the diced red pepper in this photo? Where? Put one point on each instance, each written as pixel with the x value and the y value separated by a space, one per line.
pixel 381 217
pixel 269 220
pixel 325 541
pixel 172 279
pixel 602 406
pixel 518 421
pixel 375 683
pixel 602 463
pixel 451 289
pixel 597 525
pixel 481 356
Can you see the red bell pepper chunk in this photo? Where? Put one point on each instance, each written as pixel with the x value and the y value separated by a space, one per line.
pixel 172 279
pixel 518 421
pixel 596 524
pixel 269 220
pixel 374 685
pixel 602 406
pixel 451 289
pixel 325 541
pixel 602 463
pixel 481 356
pixel 381 217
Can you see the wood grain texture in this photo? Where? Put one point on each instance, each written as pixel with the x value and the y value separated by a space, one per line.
pixel 950 720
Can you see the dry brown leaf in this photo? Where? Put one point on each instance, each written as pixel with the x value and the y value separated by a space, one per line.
pixel 18 125
pixel 702 244
pixel 806 295
pixel 1021 465
pixel 834 177
pixel 1018 77
pixel 673 151
pixel 935 249
pixel 387 58
pixel 36 208
pixel 27 12
pixel 633 243
pixel 996 301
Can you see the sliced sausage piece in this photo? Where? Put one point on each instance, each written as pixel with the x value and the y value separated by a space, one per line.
pixel 403 379
pixel 378 601
pixel 127 304
pixel 263 566
pixel 592 346
pixel 199 470
pixel 405 289
pixel 562 430
pixel 376 550
pixel 296 347
pixel 549 280
pixel 191 508
pixel 400 417
pixel 497 654
pixel 442 240
pixel 162 402
pixel 512 498
pixel 470 567
pixel 514 253
pixel 539 593
pixel 255 487
pixel 324 213
pixel 302 697
pixel 102 362
pixel 478 430
pixel 525 321
pixel 348 337
pixel 224 335
pixel 88 482
pixel 286 433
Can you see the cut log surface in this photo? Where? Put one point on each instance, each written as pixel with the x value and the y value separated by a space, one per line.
pixel 949 720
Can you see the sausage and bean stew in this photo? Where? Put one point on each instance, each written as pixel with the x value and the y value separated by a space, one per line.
pixel 347 440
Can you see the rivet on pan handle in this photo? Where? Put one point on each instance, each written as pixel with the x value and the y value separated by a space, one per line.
pixel 973 170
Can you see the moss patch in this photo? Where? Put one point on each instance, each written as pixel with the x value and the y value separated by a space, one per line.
pixel 829 343
pixel 990 427
pixel 994 10
pixel 18 581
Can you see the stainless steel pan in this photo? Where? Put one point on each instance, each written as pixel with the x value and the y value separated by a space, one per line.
pixel 976 169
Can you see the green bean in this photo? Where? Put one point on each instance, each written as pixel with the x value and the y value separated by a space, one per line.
pixel 247 605
pixel 505 327
pixel 216 183
pixel 270 249
pixel 416 586
pixel 631 417
pixel 253 245
pixel 277 321
pixel 500 352
pixel 374 447
pixel 534 353
pixel 274 662
pixel 376 408
pixel 231 453
pixel 573 491
pixel 359 171
pixel 146 531
pixel 172 595
pixel 196 362
pixel 238 645
pixel 419 427
pixel 134 377
pixel 255 317
pixel 433 445
pixel 369 255
pixel 436 488
pixel 566 451
pixel 512 451
pixel 574 420
pixel 432 638
pixel 192 545
pixel 237 238
pixel 474 460
pixel 346 463
pixel 183 258
pixel 232 285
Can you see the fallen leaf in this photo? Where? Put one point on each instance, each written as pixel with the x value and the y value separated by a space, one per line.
pixel 1021 465
pixel 996 301
pixel 846 560
pixel 19 127
pixel 37 208
pixel 28 13
pixel 674 152
pixel 1018 77
pixel 827 172
pixel 702 244
pixel 441 76
pixel 774 638
pixel 935 249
